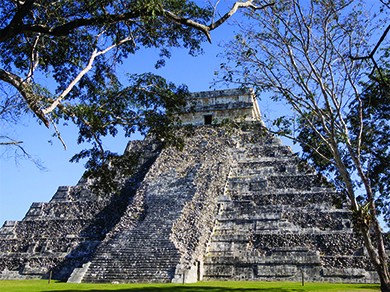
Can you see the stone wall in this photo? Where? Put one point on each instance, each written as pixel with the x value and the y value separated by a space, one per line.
pixel 214 107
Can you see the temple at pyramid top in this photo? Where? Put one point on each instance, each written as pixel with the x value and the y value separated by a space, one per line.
pixel 213 107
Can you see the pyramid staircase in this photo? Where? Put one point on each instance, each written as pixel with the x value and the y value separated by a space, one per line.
pixel 140 254
pixel 157 235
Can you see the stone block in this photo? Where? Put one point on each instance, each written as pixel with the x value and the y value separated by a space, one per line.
pixel 258 185
pixel 62 194
pixel 276 271
pixel 219 271
pixel 344 273
pixel 35 210
pixel 10 223
pixel 244 273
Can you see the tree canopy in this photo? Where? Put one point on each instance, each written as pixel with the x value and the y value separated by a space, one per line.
pixel 76 46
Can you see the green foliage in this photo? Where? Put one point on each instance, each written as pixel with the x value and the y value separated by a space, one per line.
pixel 149 105
pixel 76 46
pixel 67 30
pixel 62 35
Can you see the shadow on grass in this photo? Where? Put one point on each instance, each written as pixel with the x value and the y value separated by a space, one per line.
pixel 185 289
pixel 210 289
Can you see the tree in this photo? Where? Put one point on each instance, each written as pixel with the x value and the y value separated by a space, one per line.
pixel 77 46
pixel 375 99
pixel 316 57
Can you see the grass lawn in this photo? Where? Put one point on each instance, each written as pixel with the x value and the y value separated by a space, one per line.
pixel 43 286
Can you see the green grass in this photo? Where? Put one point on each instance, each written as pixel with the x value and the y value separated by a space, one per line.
pixel 43 286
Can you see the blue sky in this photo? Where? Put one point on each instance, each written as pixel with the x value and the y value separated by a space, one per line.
pixel 22 183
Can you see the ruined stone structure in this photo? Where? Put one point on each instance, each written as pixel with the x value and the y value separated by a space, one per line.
pixel 234 204
pixel 215 107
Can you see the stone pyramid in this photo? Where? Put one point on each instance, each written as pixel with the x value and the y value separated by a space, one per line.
pixel 234 204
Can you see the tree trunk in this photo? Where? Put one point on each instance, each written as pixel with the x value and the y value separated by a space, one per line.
pixel 370 227
pixel 385 286
pixel 383 269
pixel 379 261
pixel 385 279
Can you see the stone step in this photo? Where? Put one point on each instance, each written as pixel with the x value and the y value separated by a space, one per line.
pixel 144 271
pixel 111 266
pixel 104 267
pixel 124 274
pixel 262 150
pixel 128 278
pixel 294 198
pixel 145 256
pixel 280 258
pixel 278 272
pixel 227 230
pixel 243 209
pixel 131 260
pixel 285 182
pixel 254 170
pixel 135 253
pixel 78 273
pixel 264 160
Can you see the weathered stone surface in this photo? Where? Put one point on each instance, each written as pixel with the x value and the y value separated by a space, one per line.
pixel 177 205
pixel 233 204
pixel 278 221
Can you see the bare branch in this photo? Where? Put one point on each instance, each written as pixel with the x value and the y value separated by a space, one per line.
pixel 17 145
pixel 87 68
pixel 233 10
pixel 372 53
pixel 295 139
pixel 10 141
pixel 58 135
pixel 207 28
